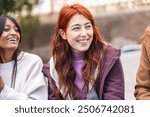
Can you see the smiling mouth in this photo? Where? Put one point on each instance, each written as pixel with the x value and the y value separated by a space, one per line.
pixel 83 40
pixel 12 39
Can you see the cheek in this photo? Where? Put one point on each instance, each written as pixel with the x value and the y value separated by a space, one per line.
pixel 2 39
pixel 91 32
pixel 3 36
pixel 71 36
pixel 19 37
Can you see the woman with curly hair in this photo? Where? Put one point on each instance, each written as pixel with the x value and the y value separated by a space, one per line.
pixel 82 66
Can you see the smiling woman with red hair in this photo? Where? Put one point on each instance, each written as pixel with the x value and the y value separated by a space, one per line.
pixel 83 65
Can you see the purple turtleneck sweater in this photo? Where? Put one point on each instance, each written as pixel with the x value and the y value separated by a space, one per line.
pixel 77 58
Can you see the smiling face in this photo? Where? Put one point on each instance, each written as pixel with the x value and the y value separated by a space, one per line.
pixel 10 38
pixel 79 33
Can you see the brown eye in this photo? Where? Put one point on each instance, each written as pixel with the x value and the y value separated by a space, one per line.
pixel 6 29
pixel 88 27
pixel 76 28
pixel 16 29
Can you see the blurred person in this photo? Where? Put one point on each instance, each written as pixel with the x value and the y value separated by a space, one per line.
pixel 83 66
pixel 142 87
pixel 21 76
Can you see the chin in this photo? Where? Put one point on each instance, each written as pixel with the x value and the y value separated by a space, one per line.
pixel 13 47
pixel 83 50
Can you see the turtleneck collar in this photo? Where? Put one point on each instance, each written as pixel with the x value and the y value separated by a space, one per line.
pixel 76 55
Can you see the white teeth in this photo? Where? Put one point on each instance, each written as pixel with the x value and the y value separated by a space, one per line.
pixel 82 41
pixel 12 39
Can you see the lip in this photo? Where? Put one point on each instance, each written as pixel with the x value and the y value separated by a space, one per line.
pixel 82 40
pixel 12 38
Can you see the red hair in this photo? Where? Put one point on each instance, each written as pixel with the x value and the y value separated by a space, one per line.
pixel 61 52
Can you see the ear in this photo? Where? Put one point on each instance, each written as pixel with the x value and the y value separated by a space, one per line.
pixel 62 34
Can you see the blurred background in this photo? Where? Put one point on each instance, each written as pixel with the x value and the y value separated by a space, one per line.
pixel 121 21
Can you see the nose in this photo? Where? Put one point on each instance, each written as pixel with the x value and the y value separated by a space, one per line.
pixel 83 32
pixel 12 31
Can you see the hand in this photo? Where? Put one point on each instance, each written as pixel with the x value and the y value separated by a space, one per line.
pixel 1 84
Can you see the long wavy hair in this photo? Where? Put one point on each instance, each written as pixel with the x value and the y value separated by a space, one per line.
pixel 61 52
pixel 17 51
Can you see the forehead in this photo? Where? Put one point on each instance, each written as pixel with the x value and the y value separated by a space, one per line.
pixel 78 19
pixel 9 22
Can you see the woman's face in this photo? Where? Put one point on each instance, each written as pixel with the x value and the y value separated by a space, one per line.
pixel 79 33
pixel 10 37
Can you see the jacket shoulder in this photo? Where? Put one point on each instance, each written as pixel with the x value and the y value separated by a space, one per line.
pixel 112 52
pixel 146 35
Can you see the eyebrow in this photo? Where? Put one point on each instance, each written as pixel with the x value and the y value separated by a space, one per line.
pixel 75 25
pixel 87 23
pixel 6 25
